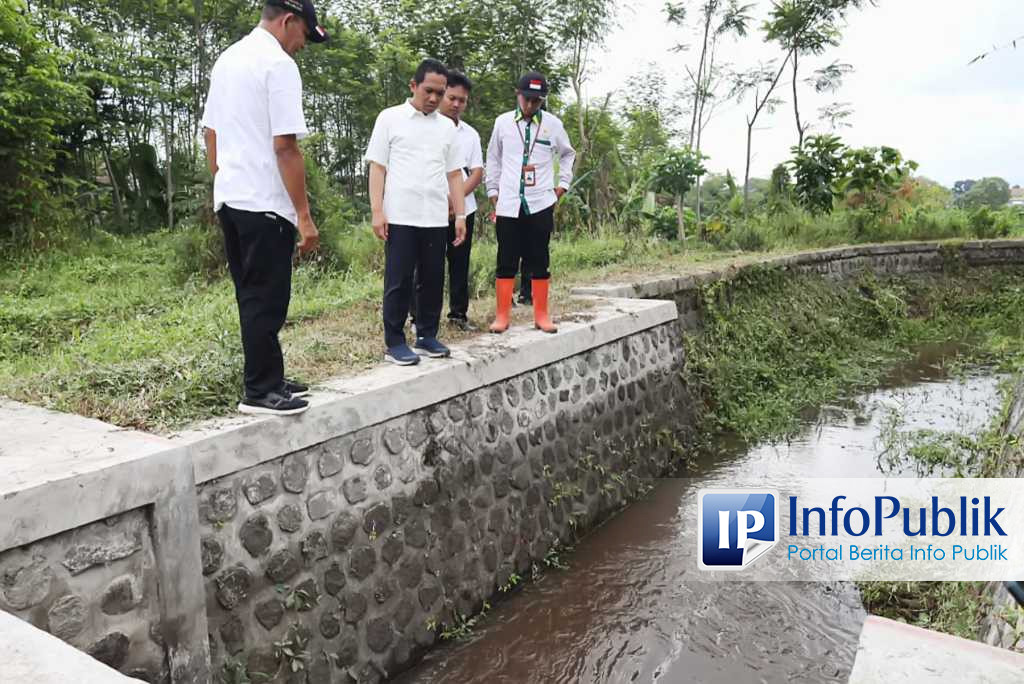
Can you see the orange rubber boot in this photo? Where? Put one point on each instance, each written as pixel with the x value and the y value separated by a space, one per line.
pixel 504 288
pixel 540 306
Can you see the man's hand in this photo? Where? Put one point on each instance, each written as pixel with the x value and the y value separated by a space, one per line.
pixel 493 216
pixel 559 192
pixel 309 236
pixel 460 232
pixel 380 225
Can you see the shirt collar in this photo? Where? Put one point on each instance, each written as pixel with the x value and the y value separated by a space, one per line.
pixel 263 34
pixel 536 116
pixel 411 111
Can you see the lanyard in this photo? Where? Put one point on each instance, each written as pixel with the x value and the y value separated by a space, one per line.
pixel 527 147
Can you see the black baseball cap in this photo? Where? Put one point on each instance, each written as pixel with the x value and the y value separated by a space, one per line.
pixel 533 84
pixel 304 8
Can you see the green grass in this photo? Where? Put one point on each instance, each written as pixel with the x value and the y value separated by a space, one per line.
pixel 129 331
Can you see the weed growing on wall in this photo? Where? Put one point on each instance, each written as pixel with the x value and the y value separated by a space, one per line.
pixel 775 343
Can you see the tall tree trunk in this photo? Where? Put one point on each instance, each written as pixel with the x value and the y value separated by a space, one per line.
pixel 746 172
pixel 796 105
pixel 169 167
pixel 118 206
pixel 681 221
pixel 698 95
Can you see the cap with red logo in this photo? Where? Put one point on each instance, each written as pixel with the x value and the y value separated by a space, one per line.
pixel 304 8
pixel 533 84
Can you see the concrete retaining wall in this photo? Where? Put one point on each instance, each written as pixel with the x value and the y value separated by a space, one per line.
pixel 402 499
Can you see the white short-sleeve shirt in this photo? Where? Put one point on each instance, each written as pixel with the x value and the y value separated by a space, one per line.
pixel 255 94
pixel 472 156
pixel 419 151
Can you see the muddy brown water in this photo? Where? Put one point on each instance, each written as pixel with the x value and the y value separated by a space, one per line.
pixel 632 607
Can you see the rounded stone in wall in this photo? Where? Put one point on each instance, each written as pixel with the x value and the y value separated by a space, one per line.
pixel 382 477
pixel 554 377
pixel 426 492
pixel 392 548
pixel 377 519
pixel 529 389
pixel 282 566
pixel 384 589
pixel 66 617
pixel 428 594
pixel 330 624
pixel 476 406
pixel 331 460
pixel 233 586
pixel 295 473
pixel 362 562
pixel 111 650
pixel 334 579
pixel 362 451
pixel 289 518
pixel 394 440
pixel 269 613
pixel 347 652
pixel 355 607
pixel 416 533
pixel 511 395
pixel 212 554
pixel 262 488
pixel 343 529
pixel 221 505
pixel 26 581
pixel 314 546
pixel 121 596
pixel 255 535
pixel 542 382
pixel 494 399
pixel 232 634
pixel 456 413
pixel 410 571
pixel 354 489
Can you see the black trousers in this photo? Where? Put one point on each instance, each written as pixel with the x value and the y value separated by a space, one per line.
pixel 458 273
pixel 413 249
pixel 259 248
pixel 525 238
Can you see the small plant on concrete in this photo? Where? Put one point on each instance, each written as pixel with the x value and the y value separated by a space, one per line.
pixel 513 581
pixel 232 671
pixel 463 626
pixel 296 599
pixel 552 558
pixel 292 649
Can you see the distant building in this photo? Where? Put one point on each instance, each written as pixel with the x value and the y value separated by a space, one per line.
pixel 1016 196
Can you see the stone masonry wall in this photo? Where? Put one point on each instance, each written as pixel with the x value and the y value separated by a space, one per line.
pixel 95 587
pixel 351 554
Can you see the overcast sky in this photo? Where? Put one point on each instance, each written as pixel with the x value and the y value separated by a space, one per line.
pixel 911 89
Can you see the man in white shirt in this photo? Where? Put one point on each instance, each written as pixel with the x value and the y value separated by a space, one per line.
pixel 521 186
pixel 252 123
pixel 456 97
pixel 414 168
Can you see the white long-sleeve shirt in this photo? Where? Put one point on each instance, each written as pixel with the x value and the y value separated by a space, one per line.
pixel 505 161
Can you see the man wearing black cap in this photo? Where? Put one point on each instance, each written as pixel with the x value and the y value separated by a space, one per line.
pixel 252 123
pixel 522 189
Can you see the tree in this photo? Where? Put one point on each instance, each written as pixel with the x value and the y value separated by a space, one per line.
pixel 876 181
pixel 960 189
pixel 817 168
pixel 36 101
pixel 718 19
pixel 582 26
pixel 675 173
pixel 762 81
pixel 807 28
pixel 989 192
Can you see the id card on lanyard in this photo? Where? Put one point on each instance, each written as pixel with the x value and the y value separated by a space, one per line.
pixel 529 172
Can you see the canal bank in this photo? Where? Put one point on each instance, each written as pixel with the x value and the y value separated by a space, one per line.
pixel 343 544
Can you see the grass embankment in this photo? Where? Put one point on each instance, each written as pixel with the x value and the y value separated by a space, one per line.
pixel 775 345
pixel 120 330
